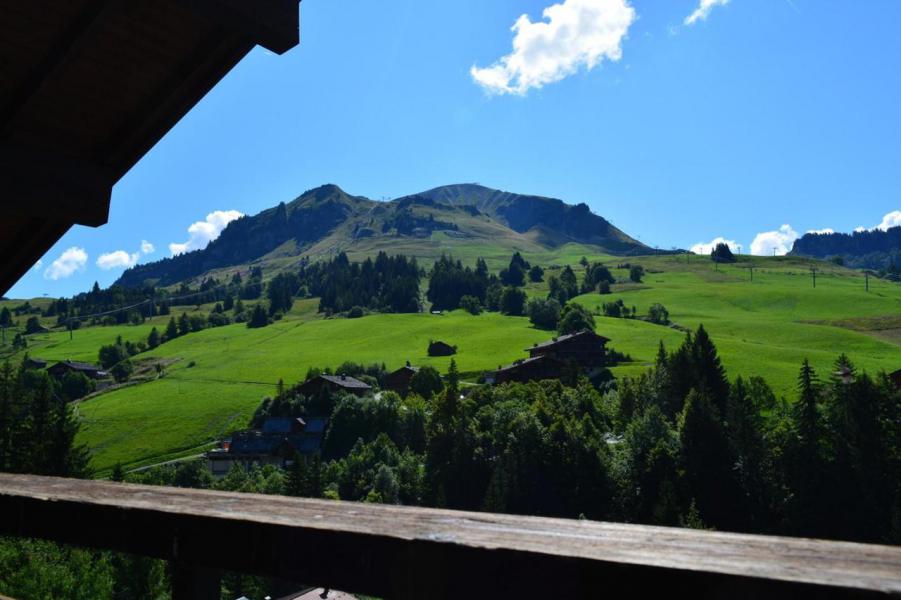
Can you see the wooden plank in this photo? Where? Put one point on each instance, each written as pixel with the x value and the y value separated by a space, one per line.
pixel 409 552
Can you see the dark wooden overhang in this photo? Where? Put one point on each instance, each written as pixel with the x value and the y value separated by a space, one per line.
pixel 87 87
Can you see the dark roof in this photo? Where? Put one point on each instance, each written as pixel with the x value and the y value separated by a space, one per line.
pixel 527 361
pixel 78 366
pixel 404 368
pixel 346 381
pixel 88 87
pixel 567 337
pixel 283 424
pixel 316 425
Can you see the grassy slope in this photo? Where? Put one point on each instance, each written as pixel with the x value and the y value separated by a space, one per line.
pixel 765 327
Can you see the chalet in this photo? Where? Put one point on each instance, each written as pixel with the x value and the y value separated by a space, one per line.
pixel 529 369
pixel 440 348
pixel 275 443
pixel 585 349
pixel 35 363
pixel 60 369
pixel 399 381
pixel 334 383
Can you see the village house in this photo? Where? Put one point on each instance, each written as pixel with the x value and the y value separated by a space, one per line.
pixel 529 369
pixel 275 443
pixel 334 383
pixel 583 352
pixel 585 349
pixel 399 380
pixel 34 363
pixel 60 369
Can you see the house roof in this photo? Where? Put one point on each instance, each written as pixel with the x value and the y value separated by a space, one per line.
pixel 78 366
pixel 403 369
pixel 88 87
pixel 570 336
pixel 346 381
pixel 283 424
pixel 529 361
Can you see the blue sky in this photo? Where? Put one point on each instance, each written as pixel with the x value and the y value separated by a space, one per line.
pixel 756 119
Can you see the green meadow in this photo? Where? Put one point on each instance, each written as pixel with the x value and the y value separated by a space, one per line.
pixel 218 376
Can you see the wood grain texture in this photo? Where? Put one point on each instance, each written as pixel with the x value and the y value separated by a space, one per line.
pixel 410 552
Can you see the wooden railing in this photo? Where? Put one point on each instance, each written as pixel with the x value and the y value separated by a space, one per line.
pixel 405 552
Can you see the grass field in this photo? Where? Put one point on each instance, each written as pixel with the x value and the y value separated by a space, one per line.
pixel 762 327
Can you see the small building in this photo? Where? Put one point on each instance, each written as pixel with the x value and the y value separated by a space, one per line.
pixel 440 348
pixel 35 363
pixel 529 369
pixel 60 369
pixel 334 383
pixel 399 380
pixel 275 443
pixel 585 349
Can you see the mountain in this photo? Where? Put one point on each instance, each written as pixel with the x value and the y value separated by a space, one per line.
pixel 466 220
pixel 873 249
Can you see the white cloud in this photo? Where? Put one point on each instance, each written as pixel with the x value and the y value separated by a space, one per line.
pixel 38 265
pixel 703 11
pixel 707 247
pixel 572 34
pixel 147 247
pixel 892 219
pixel 118 259
pixel 777 242
pixel 825 231
pixel 203 232
pixel 72 260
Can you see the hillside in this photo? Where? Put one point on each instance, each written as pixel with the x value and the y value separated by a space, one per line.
pixel 452 219
pixel 216 377
pixel 873 249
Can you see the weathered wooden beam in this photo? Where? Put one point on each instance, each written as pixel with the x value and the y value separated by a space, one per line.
pixel 41 183
pixel 273 24
pixel 406 552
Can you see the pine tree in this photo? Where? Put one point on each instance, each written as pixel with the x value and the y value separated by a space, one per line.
pixel 297 480
pixel 171 330
pixel 153 338
pixel 184 324
pixel 708 461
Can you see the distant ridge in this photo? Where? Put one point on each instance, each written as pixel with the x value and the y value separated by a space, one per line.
pixel 326 219
pixel 873 249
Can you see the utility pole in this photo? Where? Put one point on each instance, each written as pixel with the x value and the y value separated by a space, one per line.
pixel 752 272
pixel 813 273
pixel 866 279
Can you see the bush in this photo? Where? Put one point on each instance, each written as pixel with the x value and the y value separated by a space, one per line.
pixel 471 305
pixel 258 317
pixel 658 314
pixel 536 274
pixel 636 273
pixel 122 370
pixel 513 301
pixel 76 385
pixel 604 287
pixel 544 314
pixel 574 318
pixel 426 382
pixel 355 313
pixel 33 325
pixel 722 253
